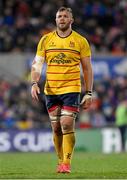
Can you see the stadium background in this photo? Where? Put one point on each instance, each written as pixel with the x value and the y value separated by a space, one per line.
pixel 24 125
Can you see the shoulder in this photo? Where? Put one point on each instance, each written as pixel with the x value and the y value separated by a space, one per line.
pixel 47 36
pixel 50 34
pixel 79 37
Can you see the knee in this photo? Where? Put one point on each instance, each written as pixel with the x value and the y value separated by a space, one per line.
pixel 57 131
pixel 56 128
pixel 66 127
pixel 67 121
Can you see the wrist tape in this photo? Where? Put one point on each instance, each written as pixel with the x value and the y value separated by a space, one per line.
pixel 89 93
pixel 86 96
pixel 34 82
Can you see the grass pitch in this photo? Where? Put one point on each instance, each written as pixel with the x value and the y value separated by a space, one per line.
pixel 43 165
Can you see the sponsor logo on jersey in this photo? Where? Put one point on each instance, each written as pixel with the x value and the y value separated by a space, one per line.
pixel 60 59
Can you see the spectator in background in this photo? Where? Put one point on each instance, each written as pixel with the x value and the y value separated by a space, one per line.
pixel 23 21
pixel 121 121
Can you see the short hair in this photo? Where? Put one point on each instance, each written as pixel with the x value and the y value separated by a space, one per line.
pixel 65 9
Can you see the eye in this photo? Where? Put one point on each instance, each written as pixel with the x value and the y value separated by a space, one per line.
pixel 59 16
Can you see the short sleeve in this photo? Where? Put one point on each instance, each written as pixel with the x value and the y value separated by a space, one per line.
pixel 41 47
pixel 85 48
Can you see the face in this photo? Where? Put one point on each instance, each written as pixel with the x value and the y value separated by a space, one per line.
pixel 63 20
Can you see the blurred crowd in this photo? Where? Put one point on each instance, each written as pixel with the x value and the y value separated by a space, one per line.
pixel 103 22
pixel 23 22
pixel 19 111
pixel 107 96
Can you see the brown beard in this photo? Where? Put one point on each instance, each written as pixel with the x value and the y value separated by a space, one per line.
pixel 64 28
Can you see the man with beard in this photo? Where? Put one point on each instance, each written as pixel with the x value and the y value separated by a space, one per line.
pixel 63 50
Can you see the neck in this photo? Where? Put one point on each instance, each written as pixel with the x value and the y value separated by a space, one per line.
pixel 64 33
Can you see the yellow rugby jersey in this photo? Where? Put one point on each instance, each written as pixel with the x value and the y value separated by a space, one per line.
pixel 62 56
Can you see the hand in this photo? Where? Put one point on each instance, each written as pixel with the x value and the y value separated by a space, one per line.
pixel 35 90
pixel 86 101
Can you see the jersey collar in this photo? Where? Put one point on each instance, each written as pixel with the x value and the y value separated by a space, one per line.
pixel 65 36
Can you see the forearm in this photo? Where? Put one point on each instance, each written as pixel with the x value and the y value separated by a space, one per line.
pixel 35 89
pixel 87 73
pixel 35 76
pixel 88 79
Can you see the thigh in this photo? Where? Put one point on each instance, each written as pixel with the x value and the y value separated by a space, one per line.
pixel 52 102
pixel 53 108
pixel 70 101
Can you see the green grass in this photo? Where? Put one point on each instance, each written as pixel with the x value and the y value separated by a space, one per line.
pixel 42 166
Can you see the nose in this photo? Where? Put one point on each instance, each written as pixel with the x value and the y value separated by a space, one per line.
pixel 62 19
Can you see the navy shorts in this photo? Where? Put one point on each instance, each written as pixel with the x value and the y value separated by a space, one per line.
pixel 69 101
